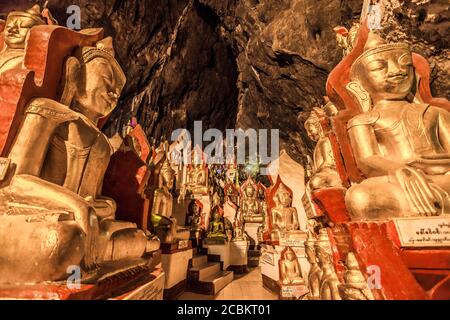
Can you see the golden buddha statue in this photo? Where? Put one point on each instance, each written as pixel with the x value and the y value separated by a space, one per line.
pixel 249 203
pixel 51 193
pixel 290 271
pixel 196 178
pixel 216 228
pixel 17 26
pixel 401 145
pixel 346 38
pixel 315 272
pixel 164 224
pixel 355 287
pixel 329 282
pixel 284 216
pixel 324 173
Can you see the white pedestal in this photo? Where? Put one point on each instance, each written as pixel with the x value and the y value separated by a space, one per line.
pixel 238 253
pixel 175 266
pixel 251 229
pixel 229 211
pixel 222 250
pixel 270 256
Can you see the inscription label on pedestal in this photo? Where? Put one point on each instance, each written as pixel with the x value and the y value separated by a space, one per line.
pixel 294 291
pixel 423 232
pixel 267 258
pixel 183 244
pixel 286 242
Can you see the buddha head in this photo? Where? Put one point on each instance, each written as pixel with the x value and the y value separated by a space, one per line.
pixel 93 80
pixel 167 174
pixel 18 24
pixel 289 254
pixel 384 70
pixel 284 196
pixel 249 191
pixel 323 248
pixel 309 248
pixel 312 125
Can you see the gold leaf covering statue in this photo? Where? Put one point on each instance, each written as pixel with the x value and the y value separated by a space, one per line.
pixel 401 145
pixel 196 181
pixel 216 229
pixel 346 38
pixel 164 224
pixel 290 270
pixel 329 282
pixel 285 219
pixel 324 173
pixel 315 272
pixel 249 202
pixel 51 211
pixel 355 287
pixel 17 26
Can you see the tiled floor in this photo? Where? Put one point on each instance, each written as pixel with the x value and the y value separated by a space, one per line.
pixel 244 287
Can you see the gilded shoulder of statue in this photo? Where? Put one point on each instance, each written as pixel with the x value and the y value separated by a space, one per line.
pixel 366 118
pixel 51 109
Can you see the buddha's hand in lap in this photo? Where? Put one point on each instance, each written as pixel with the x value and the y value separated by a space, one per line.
pixel 418 191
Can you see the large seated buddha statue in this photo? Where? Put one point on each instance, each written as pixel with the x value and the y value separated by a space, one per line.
pixel 52 214
pixel 401 145
pixel 17 26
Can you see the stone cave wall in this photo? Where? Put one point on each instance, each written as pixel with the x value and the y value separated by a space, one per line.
pixel 242 63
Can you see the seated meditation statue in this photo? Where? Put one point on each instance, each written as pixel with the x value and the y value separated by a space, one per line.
pixel 164 224
pixel 50 201
pixel 401 145
pixel 284 217
pixel 194 220
pixel 216 229
pixel 324 173
pixel 315 272
pixel 197 179
pixel 329 282
pixel 17 26
pixel 355 287
pixel 290 271
pixel 250 204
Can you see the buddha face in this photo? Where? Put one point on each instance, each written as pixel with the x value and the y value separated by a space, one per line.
pixel 387 75
pixel 16 30
pixel 101 88
pixel 249 191
pixel 290 255
pixel 168 179
pixel 284 198
pixel 313 130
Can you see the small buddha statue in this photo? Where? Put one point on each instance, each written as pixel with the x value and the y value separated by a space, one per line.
pixel 250 205
pixel 238 227
pixel 290 271
pixel 194 220
pixel 162 220
pixel 216 228
pixel 355 287
pixel 197 179
pixel 52 190
pixel 17 26
pixel 329 282
pixel 401 145
pixel 284 216
pixel 324 173
pixel 315 272
pixel 346 38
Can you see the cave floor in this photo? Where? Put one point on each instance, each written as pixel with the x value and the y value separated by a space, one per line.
pixel 246 286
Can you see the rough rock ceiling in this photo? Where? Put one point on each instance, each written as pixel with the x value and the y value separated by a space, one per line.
pixel 242 63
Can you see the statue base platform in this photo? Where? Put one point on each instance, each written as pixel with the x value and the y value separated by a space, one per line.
pixel 238 256
pixel 269 262
pixel 168 248
pixel 251 229
pixel 129 284
pixel 175 265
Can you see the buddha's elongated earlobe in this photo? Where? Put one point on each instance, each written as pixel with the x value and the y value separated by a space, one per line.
pixel 70 78
pixel 360 94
